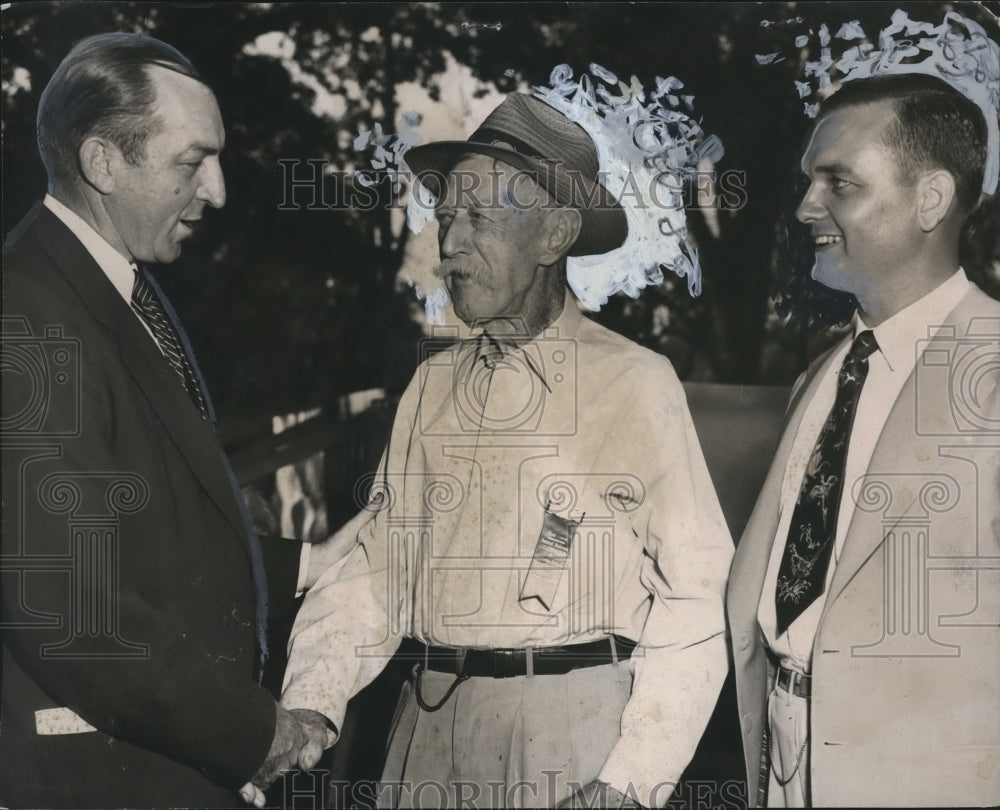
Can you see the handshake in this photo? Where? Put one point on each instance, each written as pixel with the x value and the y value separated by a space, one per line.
pixel 300 736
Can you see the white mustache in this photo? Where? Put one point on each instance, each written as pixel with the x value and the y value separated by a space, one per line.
pixel 448 268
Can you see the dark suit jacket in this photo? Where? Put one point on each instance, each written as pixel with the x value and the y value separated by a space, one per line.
pixel 128 596
pixel 905 707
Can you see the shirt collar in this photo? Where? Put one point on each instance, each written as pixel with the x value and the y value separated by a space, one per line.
pixel 899 336
pixel 491 351
pixel 119 270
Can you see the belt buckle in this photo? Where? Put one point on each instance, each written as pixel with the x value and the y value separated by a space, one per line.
pixel 786 679
pixel 503 663
pixel 791 681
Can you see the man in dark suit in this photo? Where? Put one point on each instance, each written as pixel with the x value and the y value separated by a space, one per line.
pixel 864 595
pixel 134 587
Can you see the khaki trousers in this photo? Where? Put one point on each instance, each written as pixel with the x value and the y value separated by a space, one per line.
pixel 503 742
pixel 788 779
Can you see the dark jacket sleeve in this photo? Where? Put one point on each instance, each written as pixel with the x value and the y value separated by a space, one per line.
pixel 281 559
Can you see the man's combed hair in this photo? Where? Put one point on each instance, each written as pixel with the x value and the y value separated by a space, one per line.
pixel 102 88
pixel 935 127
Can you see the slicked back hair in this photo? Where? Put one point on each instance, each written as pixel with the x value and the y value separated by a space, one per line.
pixel 103 88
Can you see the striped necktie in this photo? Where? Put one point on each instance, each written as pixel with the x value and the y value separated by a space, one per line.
pixel 147 306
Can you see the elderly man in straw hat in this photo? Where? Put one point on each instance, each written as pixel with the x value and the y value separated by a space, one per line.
pixel 548 549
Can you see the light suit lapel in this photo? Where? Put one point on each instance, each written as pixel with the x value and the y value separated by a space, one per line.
pixel 898 450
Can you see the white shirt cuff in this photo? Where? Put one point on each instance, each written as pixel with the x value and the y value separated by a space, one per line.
pixel 300 586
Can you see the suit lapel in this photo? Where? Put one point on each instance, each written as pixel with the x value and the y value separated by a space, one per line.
pixel 746 582
pixel 755 546
pixel 867 529
pixel 895 448
pixel 194 437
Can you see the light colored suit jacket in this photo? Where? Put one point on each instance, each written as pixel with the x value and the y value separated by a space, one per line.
pixel 905 705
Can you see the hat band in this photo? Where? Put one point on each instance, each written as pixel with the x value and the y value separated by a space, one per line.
pixel 489 136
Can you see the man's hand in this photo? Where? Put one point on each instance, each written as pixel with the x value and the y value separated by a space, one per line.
pixel 299 739
pixel 327 552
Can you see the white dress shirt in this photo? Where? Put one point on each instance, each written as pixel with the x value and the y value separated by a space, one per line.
pixel 899 340
pixel 119 270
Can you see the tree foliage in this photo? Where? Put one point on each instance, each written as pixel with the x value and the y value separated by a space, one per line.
pixel 291 305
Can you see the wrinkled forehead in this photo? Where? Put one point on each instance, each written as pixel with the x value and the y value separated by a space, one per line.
pixel 483 181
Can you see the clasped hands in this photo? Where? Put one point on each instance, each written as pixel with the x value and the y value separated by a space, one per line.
pixel 300 736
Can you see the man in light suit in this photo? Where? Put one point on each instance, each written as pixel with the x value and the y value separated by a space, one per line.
pixel 864 596
pixel 134 591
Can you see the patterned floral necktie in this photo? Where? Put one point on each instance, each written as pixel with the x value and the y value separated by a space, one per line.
pixel 147 305
pixel 811 533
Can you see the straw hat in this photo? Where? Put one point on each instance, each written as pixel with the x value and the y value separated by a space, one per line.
pixel 559 155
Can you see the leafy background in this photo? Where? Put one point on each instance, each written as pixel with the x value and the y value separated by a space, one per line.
pixel 291 309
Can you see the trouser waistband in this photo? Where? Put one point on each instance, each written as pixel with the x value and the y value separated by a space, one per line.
pixel 518 661
pixel 794 682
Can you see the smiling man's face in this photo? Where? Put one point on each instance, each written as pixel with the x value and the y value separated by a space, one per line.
pixel 861 211
pixel 154 205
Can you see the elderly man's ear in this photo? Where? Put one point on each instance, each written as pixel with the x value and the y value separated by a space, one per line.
pixel 563 229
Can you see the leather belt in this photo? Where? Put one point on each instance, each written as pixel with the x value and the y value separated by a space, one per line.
pixel 514 662
pixel 795 682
